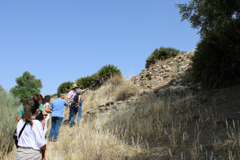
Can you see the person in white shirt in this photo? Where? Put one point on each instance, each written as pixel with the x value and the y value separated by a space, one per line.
pixel 46 107
pixel 30 135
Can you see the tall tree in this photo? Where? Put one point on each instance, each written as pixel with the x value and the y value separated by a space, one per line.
pixel 209 15
pixel 26 86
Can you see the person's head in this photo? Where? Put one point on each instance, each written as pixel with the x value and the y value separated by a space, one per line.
pixel 46 99
pixel 41 97
pixel 74 87
pixel 31 108
pixel 37 97
pixel 78 91
pixel 60 95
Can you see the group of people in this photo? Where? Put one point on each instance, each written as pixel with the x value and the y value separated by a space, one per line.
pixel 33 122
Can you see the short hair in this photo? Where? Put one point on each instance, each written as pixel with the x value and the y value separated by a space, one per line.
pixel 59 95
pixel 78 91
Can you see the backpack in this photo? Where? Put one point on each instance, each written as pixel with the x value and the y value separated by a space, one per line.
pixel 74 103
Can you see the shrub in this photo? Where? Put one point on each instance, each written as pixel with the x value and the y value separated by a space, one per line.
pixel 116 80
pixel 126 91
pixel 162 54
pixel 65 87
pixel 9 109
pixel 86 82
pixel 217 57
pixel 26 86
pixel 108 71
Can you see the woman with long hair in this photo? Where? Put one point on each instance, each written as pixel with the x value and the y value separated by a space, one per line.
pixel 30 135
pixel 41 116
pixel 46 107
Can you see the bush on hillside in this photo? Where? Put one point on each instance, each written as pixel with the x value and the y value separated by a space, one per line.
pixel 26 86
pixel 162 54
pixel 217 57
pixel 126 91
pixel 9 110
pixel 108 71
pixel 65 87
pixel 86 82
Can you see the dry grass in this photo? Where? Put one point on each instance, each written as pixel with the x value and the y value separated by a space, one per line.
pixel 117 88
pixel 135 127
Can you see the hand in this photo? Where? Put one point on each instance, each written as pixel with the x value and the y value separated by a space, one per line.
pixel 87 88
pixel 76 106
pixel 44 158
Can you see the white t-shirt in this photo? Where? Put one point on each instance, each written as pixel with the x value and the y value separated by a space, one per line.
pixel 32 136
pixel 44 107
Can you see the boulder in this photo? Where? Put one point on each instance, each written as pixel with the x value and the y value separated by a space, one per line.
pixel 165 76
pixel 118 102
pixel 168 69
pixel 182 68
pixel 102 105
pixel 178 89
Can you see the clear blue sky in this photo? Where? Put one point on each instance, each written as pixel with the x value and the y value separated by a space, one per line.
pixel 59 40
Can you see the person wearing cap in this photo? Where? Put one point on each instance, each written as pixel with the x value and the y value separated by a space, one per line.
pixel 70 97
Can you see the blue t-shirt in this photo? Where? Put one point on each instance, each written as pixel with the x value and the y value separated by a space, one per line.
pixel 57 107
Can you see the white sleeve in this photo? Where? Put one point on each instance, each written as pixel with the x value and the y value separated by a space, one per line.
pixel 39 133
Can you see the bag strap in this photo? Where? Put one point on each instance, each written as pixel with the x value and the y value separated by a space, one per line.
pixel 22 130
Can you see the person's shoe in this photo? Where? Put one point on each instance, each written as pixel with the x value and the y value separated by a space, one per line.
pixel 50 140
pixel 54 140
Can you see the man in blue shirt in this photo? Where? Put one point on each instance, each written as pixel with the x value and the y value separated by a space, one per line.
pixel 57 107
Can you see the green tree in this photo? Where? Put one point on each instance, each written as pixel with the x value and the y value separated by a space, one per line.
pixel 217 57
pixel 26 86
pixel 209 15
pixel 65 87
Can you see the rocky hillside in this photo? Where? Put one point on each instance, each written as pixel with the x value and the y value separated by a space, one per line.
pixel 165 114
pixel 171 75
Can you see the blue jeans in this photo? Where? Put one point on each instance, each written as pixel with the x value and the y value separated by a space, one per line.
pixel 69 117
pixel 56 123
pixel 79 114
pixel 73 113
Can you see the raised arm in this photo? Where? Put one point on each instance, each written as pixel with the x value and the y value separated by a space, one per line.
pixel 84 89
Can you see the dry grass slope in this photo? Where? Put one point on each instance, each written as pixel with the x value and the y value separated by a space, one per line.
pixel 170 126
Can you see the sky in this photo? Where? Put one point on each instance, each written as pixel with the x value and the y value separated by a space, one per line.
pixel 60 41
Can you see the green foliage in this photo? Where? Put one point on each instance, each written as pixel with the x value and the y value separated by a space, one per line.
pixel 86 82
pixel 26 86
pixel 209 15
pixel 162 54
pixel 108 71
pixel 96 80
pixel 9 109
pixel 65 87
pixel 217 57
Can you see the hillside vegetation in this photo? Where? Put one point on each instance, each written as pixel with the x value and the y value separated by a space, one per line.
pixel 122 120
pixel 9 109
pixel 94 81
